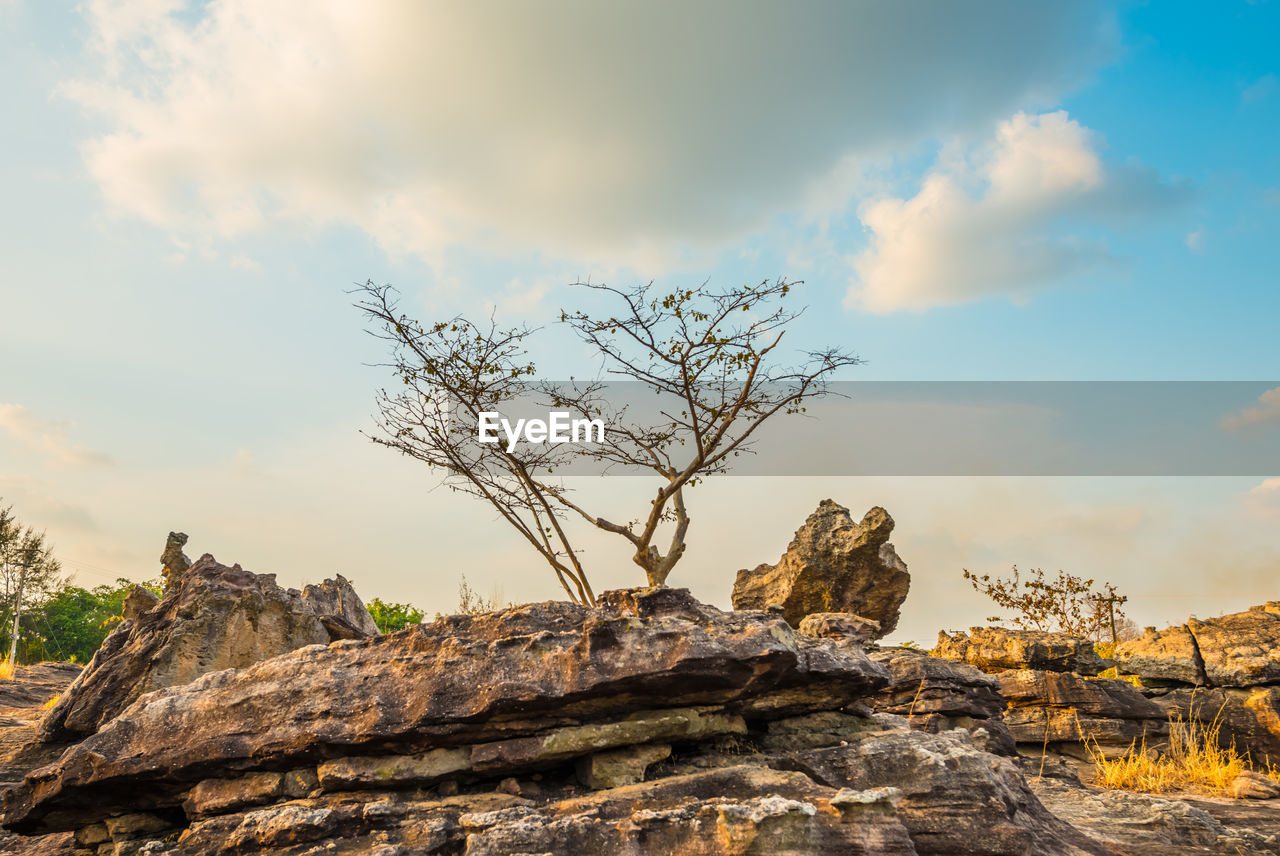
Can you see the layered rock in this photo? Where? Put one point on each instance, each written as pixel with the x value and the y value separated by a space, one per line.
pixel 213 617
pixel 504 693
pixel 1079 716
pixel 1246 719
pixel 993 649
pixel 1237 650
pixel 650 723
pixel 936 695
pixel 832 565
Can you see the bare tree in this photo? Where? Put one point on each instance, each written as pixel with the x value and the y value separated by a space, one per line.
pixel 709 356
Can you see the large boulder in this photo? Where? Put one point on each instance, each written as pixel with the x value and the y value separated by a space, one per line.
pixel 832 565
pixel 213 617
pixel 1241 649
pixel 994 649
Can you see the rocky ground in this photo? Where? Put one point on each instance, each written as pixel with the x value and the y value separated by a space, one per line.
pixel 234 716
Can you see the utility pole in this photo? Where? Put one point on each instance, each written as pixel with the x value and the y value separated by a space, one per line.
pixel 17 605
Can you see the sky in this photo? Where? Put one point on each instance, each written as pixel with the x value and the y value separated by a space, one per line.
pixel 969 192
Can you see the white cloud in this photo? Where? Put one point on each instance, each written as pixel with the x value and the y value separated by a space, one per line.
pixel 48 437
pixel 1195 241
pixel 582 130
pixel 1267 412
pixel 990 222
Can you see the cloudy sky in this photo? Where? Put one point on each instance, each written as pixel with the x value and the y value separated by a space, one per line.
pixel 995 191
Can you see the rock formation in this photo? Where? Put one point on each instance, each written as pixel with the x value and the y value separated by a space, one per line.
pixel 1222 671
pixel 174 563
pixel 936 695
pixel 650 723
pixel 1075 715
pixel 832 565
pixel 213 618
pixel 993 649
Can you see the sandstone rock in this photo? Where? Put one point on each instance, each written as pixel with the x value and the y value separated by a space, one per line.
pixel 1254 786
pixel 138 601
pixel 993 649
pixel 174 563
pixel 840 625
pixel 1163 657
pixel 832 565
pixel 620 767
pixel 501 683
pixel 217 796
pixel 1140 824
pixel 952 796
pixel 214 618
pixel 939 695
pixel 1248 719
pixel 1074 714
pixel 1237 650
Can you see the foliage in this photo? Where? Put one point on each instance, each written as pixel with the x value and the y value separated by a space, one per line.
pixel 1065 603
pixel 391 617
pixel 1194 759
pixel 70 622
pixel 708 355
pixel 26 562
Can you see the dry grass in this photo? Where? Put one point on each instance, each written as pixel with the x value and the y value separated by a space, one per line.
pixel 1193 760
pixel 51 702
pixel 6 670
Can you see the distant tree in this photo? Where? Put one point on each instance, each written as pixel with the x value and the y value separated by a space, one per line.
pixel 27 568
pixel 711 357
pixel 71 622
pixel 391 617
pixel 1065 603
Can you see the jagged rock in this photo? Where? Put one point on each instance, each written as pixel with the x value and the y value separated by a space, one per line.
pixel 138 601
pixel 213 618
pixel 939 695
pixel 1248 719
pixel 832 565
pixel 1077 715
pixel 174 563
pixel 994 649
pixel 501 684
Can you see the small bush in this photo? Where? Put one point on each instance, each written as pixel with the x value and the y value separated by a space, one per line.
pixel 6 670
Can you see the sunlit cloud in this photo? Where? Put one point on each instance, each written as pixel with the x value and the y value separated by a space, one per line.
pixel 48 438
pixel 579 130
pixel 1266 412
pixel 990 221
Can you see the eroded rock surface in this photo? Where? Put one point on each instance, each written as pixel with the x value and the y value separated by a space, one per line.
pixel 939 695
pixel 1241 649
pixel 1066 712
pixel 832 565
pixel 214 617
pixel 993 649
